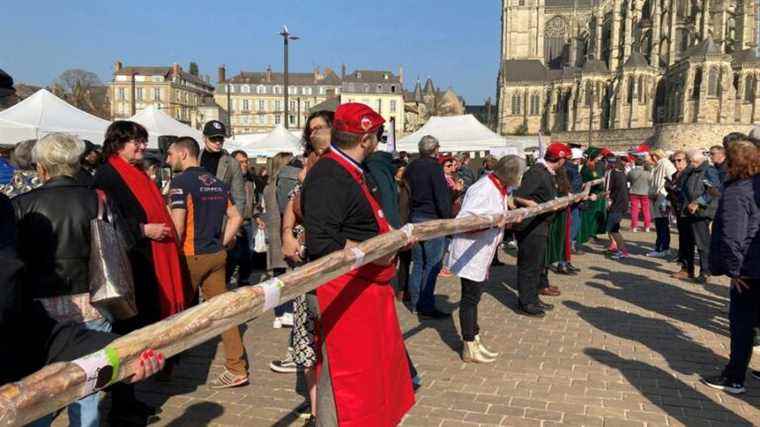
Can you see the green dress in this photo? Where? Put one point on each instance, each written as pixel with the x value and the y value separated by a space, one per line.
pixel 593 213
pixel 555 246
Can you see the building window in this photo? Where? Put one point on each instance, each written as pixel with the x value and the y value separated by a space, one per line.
pixel 712 84
pixel 521 2
pixel 380 106
pixel 261 105
pixel 246 104
pixel 121 93
pixel 393 105
pixel 749 89
pixel 697 86
pixel 293 106
pixel 278 106
pixel 631 87
pixel 307 91
pixel 393 88
pixel 277 119
pixel 157 94
pixel 278 90
pixel 246 89
pixel 379 88
pixel 139 94
pixel 535 105
pixel 516 103
pixel 366 88
pixel 642 90
pixel 322 90
pixel 261 89
pixel 291 119
pixel 589 94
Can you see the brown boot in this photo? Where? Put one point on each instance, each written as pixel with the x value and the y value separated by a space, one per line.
pixel 682 275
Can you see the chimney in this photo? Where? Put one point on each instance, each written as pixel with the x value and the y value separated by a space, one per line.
pixel 269 74
pixel 117 66
pixel 401 74
pixel 176 69
pixel 222 74
pixel 317 74
pixel 343 71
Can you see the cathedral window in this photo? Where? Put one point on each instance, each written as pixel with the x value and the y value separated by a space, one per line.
pixel 749 89
pixel 712 85
pixel 535 105
pixel 697 86
pixel 642 90
pixel 630 88
pixel 589 94
pixel 516 102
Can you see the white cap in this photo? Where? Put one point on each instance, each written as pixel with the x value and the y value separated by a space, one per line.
pixel 755 132
pixel 577 153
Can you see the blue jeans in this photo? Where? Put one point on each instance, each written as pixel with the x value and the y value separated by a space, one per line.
pixel 427 260
pixel 83 412
pixel 242 256
pixel 575 225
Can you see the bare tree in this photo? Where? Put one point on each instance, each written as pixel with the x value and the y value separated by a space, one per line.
pixel 84 90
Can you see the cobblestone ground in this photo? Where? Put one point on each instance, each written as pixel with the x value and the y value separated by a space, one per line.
pixel 624 347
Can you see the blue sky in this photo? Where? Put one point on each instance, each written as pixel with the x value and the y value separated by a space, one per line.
pixel 453 41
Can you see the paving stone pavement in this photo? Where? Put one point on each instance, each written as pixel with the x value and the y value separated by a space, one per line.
pixel 624 347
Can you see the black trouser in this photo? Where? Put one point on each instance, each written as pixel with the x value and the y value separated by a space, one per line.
pixel 662 225
pixel 682 239
pixel 532 272
pixel 468 308
pixel 743 311
pixel 402 275
pixel 697 234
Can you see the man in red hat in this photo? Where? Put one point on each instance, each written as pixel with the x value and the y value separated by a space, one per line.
pixel 363 374
pixel 539 185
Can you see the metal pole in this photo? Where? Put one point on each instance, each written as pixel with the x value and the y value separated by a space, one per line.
pixel 285 38
pixel 298 100
pixel 134 94
pixel 229 110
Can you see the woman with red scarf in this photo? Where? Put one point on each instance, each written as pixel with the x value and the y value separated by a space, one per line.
pixel 159 285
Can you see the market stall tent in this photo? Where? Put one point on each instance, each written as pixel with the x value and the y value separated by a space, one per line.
pixel 44 113
pixel 159 123
pixel 455 134
pixel 267 145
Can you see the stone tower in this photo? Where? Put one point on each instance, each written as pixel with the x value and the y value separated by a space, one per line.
pixel 522 29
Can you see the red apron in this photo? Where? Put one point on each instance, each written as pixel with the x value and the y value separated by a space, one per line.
pixel 363 342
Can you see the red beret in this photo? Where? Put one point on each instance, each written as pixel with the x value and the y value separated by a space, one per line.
pixel 605 152
pixel 558 150
pixel 356 118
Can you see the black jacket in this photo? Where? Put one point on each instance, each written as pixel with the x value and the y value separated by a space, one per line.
pixel 539 185
pixel 379 166
pixel 735 242
pixel 430 194
pixel 53 225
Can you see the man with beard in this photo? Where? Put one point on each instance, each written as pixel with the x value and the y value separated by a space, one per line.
pixel 363 373
pixel 199 204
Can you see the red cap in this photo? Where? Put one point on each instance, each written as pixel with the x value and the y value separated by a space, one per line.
pixel 643 148
pixel 356 118
pixel 605 152
pixel 558 150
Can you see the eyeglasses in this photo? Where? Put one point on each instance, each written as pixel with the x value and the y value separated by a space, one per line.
pixel 217 139
pixel 679 160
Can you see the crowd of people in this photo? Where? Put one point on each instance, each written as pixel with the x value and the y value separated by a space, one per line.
pixel 217 221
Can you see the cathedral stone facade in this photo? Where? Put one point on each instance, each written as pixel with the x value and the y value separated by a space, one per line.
pixel 571 66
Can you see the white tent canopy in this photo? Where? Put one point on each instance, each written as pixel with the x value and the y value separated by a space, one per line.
pixel 267 145
pixel 456 134
pixel 44 113
pixel 159 123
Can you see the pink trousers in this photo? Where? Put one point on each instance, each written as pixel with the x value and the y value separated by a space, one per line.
pixel 640 203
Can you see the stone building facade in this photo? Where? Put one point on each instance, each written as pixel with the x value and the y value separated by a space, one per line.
pixel 574 65
pixel 254 99
pixel 382 90
pixel 422 103
pixel 170 89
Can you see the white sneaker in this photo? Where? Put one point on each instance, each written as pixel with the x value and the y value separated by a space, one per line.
pixel 287 320
pixel 647 230
pixel 654 254
pixel 635 230
pixel 512 244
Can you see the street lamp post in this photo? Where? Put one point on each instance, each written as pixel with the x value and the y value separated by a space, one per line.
pixel 286 37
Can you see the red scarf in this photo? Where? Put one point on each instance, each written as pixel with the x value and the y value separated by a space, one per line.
pixel 165 252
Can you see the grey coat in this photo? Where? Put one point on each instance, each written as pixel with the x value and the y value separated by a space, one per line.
pixel 273 220
pixel 229 172
pixel 639 178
